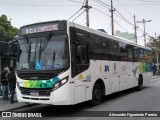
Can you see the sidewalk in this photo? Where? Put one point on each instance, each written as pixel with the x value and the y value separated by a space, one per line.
pixel 155 77
pixel 5 105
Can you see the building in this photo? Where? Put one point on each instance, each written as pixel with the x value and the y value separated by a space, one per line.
pixel 126 35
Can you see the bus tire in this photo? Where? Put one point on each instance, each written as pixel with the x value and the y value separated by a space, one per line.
pixel 96 95
pixel 140 83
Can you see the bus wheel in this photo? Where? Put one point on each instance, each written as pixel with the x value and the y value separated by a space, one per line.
pixel 140 83
pixel 96 95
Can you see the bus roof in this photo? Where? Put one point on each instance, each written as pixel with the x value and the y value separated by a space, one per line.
pixel 92 31
pixel 106 35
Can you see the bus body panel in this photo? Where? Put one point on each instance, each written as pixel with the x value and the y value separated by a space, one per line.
pixel 80 88
pixel 116 76
pixel 124 75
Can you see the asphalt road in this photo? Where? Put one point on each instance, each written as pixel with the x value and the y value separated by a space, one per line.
pixel 130 100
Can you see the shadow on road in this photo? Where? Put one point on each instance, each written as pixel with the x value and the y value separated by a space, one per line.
pixel 121 94
pixel 76 110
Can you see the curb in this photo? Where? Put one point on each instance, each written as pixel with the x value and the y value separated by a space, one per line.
pixel 156 77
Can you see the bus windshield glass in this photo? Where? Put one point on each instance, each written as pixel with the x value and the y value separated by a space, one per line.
pixel 43 53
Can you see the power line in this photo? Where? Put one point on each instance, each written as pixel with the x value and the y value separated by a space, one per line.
pixel 139 37
pixel 150 29
pixel 100 11
pixel 109 28
pixel 104 3
pixel 130 14
pixel 86 7
pixel 75 13
pixel 150 1
pixel 79 15
pixel 76 1
pixel 120 15
pixel 125 8
pixel 84 2
pixel 83 20
pixel 101 4
pixel 140 30
pixel 123 18
pixel 121 26
pixel 109 16
pixel 139 5
pixel 40 5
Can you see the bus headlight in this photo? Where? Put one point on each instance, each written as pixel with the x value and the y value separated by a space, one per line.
pixel 60 83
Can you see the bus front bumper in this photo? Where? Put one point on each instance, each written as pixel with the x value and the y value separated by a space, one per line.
pixel 61 96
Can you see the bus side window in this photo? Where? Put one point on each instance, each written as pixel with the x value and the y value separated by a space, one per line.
pixel 82 54
pixel 136 54
pixel 80 58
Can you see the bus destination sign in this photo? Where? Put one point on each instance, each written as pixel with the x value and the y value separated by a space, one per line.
pixel 43 28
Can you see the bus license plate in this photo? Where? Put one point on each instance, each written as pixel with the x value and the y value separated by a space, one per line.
pixel 34 93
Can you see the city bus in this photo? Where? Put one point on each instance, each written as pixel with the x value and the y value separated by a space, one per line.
pixel 64 63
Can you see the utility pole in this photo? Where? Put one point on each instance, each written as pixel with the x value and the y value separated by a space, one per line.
pixel 112 20
pixel 144 22
pixel 135 27
pixel 87 7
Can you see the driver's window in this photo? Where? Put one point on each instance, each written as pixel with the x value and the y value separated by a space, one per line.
pixel 82 54
pixel 80 58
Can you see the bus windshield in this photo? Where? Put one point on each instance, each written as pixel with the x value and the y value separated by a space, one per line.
pixel 43 53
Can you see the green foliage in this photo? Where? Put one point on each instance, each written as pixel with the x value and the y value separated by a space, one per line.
pixel 7 31
pixel 154 44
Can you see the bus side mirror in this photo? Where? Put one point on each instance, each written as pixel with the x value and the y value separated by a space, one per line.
pixel 14 50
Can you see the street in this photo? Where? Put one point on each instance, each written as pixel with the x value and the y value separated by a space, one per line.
pixel 130 100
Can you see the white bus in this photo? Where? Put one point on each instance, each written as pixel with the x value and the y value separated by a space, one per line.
pixel 63 63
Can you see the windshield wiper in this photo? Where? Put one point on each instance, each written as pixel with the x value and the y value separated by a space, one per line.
pixel 29 48
pixel 29 51
pixel 44 44
pixel 40 52
pixel 53 59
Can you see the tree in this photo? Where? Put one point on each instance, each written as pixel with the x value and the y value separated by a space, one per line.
pixel 7 31
pixel 154 44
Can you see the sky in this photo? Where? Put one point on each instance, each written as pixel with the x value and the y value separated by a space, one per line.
pixel 24 12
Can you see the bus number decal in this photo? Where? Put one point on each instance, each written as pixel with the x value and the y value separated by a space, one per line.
pixel 106 68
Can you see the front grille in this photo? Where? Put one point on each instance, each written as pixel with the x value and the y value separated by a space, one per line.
pixel 35 98
pixel 42 92
pixel 35 76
